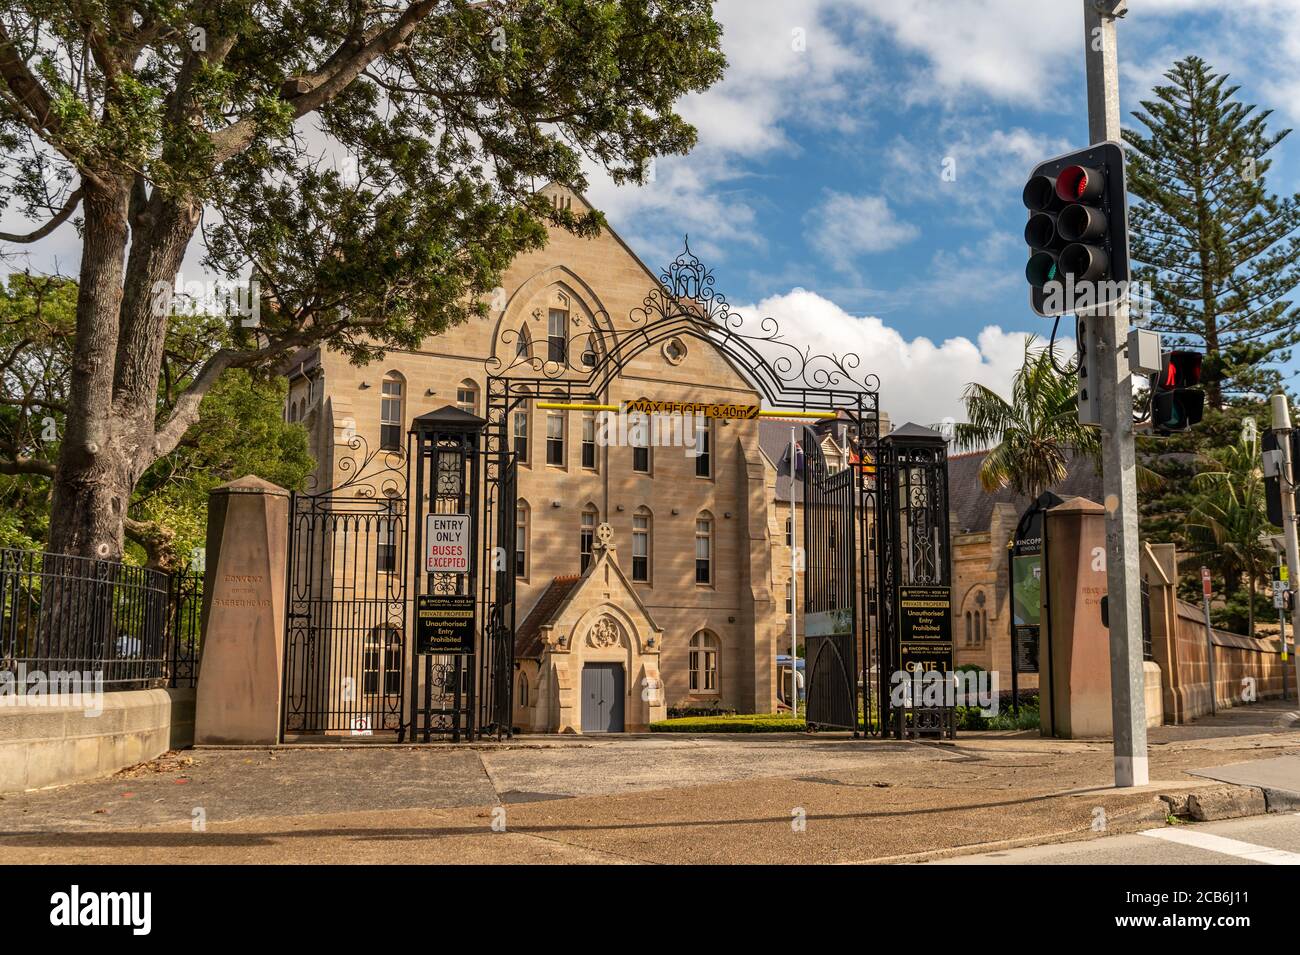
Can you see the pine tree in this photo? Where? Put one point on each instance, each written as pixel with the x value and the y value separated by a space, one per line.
pixel 1221 254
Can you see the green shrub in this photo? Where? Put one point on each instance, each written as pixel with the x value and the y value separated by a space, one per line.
pixel 735 723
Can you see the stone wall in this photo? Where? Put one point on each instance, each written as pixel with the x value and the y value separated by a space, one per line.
pixel 54 745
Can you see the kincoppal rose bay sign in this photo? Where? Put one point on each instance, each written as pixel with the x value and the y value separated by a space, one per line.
pixel 925 628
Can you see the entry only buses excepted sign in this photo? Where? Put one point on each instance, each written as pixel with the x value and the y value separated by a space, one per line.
pixel 446 544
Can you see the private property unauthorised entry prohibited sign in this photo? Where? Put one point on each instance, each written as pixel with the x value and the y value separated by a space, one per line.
pixel 446 544
pixel 444 623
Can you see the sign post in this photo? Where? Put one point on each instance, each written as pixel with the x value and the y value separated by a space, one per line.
pixel 1209 638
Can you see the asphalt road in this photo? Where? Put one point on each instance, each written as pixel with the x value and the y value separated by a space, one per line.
pixel 1257 840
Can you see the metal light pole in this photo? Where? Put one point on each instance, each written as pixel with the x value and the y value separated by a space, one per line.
pixel 1282 428
pixel 1109 328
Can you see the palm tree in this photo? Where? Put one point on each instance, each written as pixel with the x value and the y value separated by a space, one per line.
pixel 1031 437
pixel 1228 518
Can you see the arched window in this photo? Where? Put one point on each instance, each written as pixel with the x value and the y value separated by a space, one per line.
pixel 523 689
pixel 704 449
pixel 638 435
pixel 524 348
pixel 970 633
pixel 520 444
pixel 392 411
pixel 556 423
pixel 467 397
pixel 589 353
pixel 704 548
pixel 641 545
pixel 589 441
pixel 557 336
pixel 521 539
pixel 704 663
pixel 587 534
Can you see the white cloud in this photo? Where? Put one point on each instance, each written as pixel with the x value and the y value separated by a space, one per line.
pixel 844 227
pixel 785 60
pixel 1008 49
pixel 920 380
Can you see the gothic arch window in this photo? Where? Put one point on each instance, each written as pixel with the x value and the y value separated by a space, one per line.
pixel 522 516
pixel 557 335
pixel 642 526
pixel 704 663
pixel 392 411
pixel 587 534
pixel 523 689
pixel 556 424
pixel 524 347
pixel 704 548
pixel 591 352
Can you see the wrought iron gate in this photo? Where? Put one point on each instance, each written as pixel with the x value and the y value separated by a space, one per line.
pixel 501 497
pixel 345 632
pixel 830 590
pixel 914 554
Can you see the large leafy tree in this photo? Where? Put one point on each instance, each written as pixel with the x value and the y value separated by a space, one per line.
pixel 1221 253
pixel 1031 437
pixel 371 166
pixel 241 428
pixel 1222 256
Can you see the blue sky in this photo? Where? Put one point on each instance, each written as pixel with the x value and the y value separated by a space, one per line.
pixel 816 190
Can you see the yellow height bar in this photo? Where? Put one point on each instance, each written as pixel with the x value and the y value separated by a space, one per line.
pixel 575 406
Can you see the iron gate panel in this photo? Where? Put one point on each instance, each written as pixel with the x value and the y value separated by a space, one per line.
pixel 499 595
pixel 447 480
pixel 830 589
pixel 913 549
pixel 345 633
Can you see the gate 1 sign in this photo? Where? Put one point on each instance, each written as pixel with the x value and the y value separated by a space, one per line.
pixel 446 547
pixel 444 623
pixel 925 628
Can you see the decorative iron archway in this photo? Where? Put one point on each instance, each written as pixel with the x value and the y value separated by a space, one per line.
pixel 579 368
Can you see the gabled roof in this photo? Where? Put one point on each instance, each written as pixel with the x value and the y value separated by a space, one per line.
pixel 448 416
pixel 528 638
pixel 972 506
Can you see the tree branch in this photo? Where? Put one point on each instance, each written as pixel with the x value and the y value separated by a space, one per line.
pixel 59 218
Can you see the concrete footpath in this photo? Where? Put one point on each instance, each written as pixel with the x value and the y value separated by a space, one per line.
pixel 654 799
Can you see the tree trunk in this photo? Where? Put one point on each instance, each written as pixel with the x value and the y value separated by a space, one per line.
pixel 112 405
pixel 92 484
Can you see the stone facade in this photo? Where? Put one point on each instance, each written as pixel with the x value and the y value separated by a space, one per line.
pixel 721 634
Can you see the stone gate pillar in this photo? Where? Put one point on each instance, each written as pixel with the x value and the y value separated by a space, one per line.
pixel 242 663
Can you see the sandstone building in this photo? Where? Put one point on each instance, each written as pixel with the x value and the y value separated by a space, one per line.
pixel 638 567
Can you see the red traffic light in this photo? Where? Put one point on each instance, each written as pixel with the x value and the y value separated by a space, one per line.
pixel 1079 184
pixel 1182 370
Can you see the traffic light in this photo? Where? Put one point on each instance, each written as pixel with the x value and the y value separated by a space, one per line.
pixel 1177 402
pixel 1273 472
pixel 1077 231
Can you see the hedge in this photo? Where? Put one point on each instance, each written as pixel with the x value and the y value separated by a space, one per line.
pixel 742 723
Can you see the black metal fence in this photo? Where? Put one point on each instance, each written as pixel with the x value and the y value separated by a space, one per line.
pixel 132 627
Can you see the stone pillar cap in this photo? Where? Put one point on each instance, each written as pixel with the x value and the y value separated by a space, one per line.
pixel 1077 505
pixel 249 484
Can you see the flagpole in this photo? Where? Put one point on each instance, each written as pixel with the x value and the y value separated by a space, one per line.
pixel 794 597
